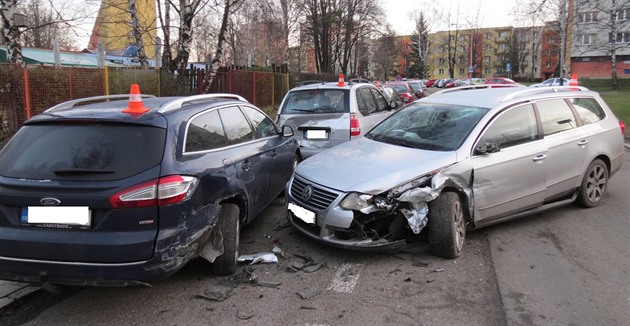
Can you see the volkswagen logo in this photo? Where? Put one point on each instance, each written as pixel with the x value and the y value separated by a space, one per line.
pixel 48 201
pixel 307 193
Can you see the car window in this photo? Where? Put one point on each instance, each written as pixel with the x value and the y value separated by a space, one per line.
pixel 588 110
pixel 205 132
pixel 75 151
pixel 365 101
pixel 556 116
pixel 428 126
pixel 512 127
pixel 381 102
pixel 236 126
pixel 262 124
pixel 315 101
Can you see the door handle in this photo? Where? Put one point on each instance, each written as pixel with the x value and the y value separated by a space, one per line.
pixel 539 157
pixel 245 166
pixel 582 142
pixel 273 153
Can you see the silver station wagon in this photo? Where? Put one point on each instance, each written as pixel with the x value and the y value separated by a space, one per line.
pixel 460 159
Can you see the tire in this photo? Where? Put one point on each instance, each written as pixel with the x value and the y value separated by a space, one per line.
pixel 447 226
pixel 593 185
pixel 230 227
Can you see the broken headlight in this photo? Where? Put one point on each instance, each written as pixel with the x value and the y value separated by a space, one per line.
pixel 357 201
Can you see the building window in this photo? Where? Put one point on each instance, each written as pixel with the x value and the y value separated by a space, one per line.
pixel 486 59
pixel 586 39
pixel 441 71
pixel 535 34
pixel 549 39
pixel 623 14
pixel 502 47
pixel 488 36
pixel 503 34
pixel 442 61
pixel 620 38
pixel 548 64
pixel 451 37
pixel 587 17
pixel 499 71
pixel 462 71
pixel 535 58
pixel 487 71
pixel 535 69
pixel 462 48
pixel 487 47
pixel 549 52
pixel 521 46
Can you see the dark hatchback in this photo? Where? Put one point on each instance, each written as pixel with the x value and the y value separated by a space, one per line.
pixel 91 195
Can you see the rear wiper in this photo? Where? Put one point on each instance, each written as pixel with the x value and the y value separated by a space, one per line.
pixel 304 110
pixel 81 170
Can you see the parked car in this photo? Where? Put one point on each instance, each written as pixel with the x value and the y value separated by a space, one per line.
pixel 463 158
pixel 552 82
pixel 104 191
pixel 391 95
pixel 417 87
pixel 405 91
pixel 430 83
pixel 442 82
pixel 500 80
pixel 328 114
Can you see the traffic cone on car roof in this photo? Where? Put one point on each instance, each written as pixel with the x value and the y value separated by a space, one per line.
pixel 341 82
pixel 135 101
pixel 574 80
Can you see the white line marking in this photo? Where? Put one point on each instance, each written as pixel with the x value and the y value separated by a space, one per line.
pixel 346 278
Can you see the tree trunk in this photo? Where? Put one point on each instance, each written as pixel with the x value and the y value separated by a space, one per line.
pixel 214 63
pixel 10 32
pixel 137 34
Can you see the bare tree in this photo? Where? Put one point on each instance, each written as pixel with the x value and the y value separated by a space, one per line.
pixel 384 54
pixel 137 34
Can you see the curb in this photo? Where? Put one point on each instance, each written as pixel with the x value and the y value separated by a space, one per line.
pixel 13 292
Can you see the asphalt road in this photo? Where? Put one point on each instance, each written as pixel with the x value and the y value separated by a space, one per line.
pixel 564 267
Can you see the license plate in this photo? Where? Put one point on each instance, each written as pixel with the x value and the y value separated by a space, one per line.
pixel 315 134
pixel 62 217
pixel 302 213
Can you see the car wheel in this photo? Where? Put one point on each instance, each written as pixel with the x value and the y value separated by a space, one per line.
pixel 594 184
pixel 230 227
pixel 447 226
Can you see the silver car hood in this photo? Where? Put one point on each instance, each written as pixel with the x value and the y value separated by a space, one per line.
pixel 370 167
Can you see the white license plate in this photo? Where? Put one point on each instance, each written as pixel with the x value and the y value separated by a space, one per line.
pixel 54 216
pixel 302 213
pixel 316 134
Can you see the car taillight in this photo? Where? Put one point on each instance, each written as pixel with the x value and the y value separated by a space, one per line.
pixel 355 127
pixel 159 192
pixel 623 127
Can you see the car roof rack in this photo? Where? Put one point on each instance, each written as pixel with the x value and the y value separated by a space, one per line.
pixel 469 87
pixel 178 103
pixel 542 90
pixel 73 103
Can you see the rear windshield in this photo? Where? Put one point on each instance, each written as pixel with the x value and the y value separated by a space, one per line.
pixel 82 151
pixel 315 101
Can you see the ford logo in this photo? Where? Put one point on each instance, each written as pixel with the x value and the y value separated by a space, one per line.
pixel 307 193
pixel 48 201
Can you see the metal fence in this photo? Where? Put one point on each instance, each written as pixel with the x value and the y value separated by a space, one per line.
pixel 25 92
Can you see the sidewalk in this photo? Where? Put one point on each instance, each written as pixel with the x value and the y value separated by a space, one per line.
pixel 12 292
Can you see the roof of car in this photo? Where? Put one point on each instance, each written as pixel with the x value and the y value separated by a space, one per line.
pixel 329 85
pixel 490 97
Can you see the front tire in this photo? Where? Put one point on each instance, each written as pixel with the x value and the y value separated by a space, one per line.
pixel 593 185
pixel 230 227
pixel 447 226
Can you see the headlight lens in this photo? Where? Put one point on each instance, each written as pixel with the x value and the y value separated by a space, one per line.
pixel 357 201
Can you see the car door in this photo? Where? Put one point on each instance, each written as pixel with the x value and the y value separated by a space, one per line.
pixel 250 158
pixel 567 146
pixel 513 178
pixel 373 107
pixel 276 148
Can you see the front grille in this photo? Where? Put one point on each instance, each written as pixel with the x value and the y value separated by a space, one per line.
pixel 320 199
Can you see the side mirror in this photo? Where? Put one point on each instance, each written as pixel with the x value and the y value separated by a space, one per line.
pixel 287 131
pixel 393 105
pixel 488 148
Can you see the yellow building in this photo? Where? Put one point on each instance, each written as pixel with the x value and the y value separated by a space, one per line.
pixel 113 26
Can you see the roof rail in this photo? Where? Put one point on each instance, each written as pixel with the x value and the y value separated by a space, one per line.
pixel 469 87
pixel 178 103
pixel 541 90
pixel 72 103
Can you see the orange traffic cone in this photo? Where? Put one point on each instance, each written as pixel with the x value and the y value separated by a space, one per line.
pixel 574 80
pixel 135 101
pixel 341 82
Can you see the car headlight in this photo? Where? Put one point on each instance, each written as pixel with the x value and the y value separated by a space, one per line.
pixel 356 201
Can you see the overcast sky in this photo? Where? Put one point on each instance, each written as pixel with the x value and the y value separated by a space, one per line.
pixel 492 13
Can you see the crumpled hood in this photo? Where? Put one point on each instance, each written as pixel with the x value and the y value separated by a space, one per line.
pixel 371 167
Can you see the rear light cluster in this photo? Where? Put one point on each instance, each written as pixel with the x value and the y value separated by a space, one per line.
pixel 159 192
pixel 623 127
pixel 355 127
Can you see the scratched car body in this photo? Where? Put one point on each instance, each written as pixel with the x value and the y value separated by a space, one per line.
pixel 463 158
pixel 91 195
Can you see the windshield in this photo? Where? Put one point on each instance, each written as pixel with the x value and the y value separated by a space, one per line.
pixel 316 101
pixel 428 126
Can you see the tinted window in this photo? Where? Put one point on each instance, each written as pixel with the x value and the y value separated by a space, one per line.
pixel 316 101
pixel 262 124
pixel 428 126
pixel 588 110
pixel 82 152
pixel 512 127
pixel 205 132
pixel 236 126
pixel 556 116
pixel 366 102
pixel 381 102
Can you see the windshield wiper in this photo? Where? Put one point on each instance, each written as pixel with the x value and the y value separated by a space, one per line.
pixel 81 170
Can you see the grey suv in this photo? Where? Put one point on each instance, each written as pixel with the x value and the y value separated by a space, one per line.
pixel 462 158
pixel 324 115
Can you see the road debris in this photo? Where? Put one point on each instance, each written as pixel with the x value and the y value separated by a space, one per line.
pixel 263 257
pixel 305 264
pixel 439 270
pixel 217 293
pixel 308 294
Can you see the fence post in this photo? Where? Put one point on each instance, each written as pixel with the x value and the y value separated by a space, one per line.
pixel 69 80
pixel 27 93
pixel 273 89
pixel 254 88
pixel 106 78
pixel 230 81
